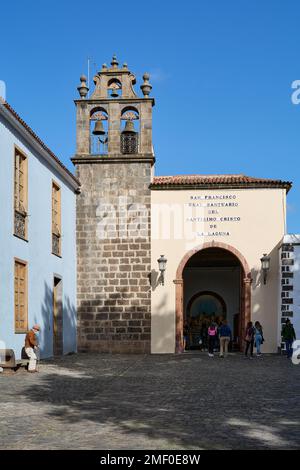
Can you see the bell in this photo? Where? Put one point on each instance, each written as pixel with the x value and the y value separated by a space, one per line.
pixel 114 93
pixel 129 128
pixel 98 129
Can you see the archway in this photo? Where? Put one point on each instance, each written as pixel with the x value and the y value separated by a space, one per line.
pixel 207 257
pixel 202 307
pixel 208 302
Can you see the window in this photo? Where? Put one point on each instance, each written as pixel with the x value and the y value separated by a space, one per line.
pixel 56 220
pixel 20 195
pixel 288 275
pixel 287 262
pixel 287 248
pixel 20 289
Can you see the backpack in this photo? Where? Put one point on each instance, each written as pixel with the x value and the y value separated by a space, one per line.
pixel 212 331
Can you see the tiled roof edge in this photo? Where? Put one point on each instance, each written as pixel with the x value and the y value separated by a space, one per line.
pixel 36 137
pixel 234 181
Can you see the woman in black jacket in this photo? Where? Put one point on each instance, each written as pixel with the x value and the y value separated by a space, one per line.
pixel 249 339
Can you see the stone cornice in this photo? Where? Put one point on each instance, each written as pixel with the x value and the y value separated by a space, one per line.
pixel 129 101
pixel 118 158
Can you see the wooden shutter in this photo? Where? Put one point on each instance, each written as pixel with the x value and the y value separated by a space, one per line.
pixel 56 219
pixel 20 294
pixel 20 194
pixel 20 181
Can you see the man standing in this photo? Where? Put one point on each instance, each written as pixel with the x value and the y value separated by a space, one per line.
pixel 225 338
pixel 31 345
pixel 288 336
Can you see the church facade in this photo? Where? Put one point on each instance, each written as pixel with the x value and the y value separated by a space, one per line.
pixel 220 228
pixel 155 253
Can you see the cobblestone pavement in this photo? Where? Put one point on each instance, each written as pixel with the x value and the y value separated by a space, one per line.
pixel 189 401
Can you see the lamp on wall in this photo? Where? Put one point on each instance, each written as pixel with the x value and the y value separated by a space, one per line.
pixel 162 263
pixel 265 266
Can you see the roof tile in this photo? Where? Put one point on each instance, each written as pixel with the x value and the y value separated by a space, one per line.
pixel 240 180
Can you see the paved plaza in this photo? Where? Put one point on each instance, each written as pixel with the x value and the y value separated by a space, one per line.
pixel 188 401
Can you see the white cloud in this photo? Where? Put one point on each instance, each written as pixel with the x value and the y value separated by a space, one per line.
pixel 158 75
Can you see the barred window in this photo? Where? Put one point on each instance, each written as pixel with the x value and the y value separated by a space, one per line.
pixel 56 219
pixel 20 194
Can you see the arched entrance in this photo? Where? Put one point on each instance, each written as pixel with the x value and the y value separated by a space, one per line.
pixel 206 302
pixel 204 266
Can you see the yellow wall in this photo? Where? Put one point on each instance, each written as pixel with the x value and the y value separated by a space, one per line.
pixel 260 229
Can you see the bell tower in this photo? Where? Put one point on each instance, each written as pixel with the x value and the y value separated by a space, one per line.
pixel 114 159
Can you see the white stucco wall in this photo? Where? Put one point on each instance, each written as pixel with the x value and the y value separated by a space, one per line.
pixel 42 265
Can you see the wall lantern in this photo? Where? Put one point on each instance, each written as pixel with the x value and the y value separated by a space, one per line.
pixel 162 262
pixel 265 266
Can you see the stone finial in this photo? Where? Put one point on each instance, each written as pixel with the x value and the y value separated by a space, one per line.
pixel 146 86
pixel 83 88
pixel 104 66
pixel 125 66
pixel 114 63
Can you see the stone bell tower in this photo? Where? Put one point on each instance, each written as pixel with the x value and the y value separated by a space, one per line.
pixel 113 160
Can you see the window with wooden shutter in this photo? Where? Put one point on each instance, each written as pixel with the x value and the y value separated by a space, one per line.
pixel 20 295
pixel 20 194
pixel 56 220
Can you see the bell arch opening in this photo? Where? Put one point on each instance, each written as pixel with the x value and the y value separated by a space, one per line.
pixel 130 131
pixel 98 131
pixel 114 88
pixel 213 282
pixel 206 302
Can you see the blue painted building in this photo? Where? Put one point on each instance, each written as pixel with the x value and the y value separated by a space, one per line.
pixel 37 240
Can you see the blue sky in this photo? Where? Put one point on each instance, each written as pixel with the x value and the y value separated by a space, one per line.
pixel 221 75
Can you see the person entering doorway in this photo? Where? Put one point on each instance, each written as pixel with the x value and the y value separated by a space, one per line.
pixel 225 338
pixel 212 334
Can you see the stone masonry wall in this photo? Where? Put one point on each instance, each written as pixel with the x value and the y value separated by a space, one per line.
pixel 114 297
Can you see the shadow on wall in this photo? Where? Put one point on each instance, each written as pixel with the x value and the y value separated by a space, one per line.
pixel 107 311
pixel 272 275
pixel 69 326
pixel 257 281
pixel 101 317
pixel 163 328
pixel 266 307
pixel 163 336
pixel 256 277
pixel 46 322
pixel 155 279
